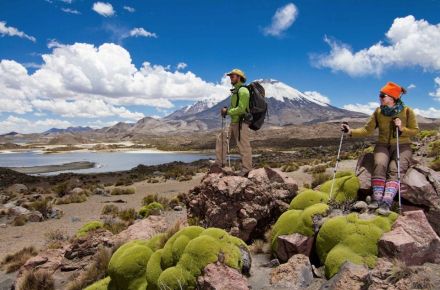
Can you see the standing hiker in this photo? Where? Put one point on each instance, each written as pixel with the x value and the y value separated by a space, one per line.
pixel 392 113
pixel 238 107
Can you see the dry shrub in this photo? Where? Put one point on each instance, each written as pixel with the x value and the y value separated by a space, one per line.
pixel 13 262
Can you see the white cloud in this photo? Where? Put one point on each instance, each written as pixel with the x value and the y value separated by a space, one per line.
pixel 181 65
pixel 317 97
pixel 82 80
pixel 22 125
pixel 411 86
pixel 362 108
pixel 282 20
pixel 371 106
pixel 71 11
pixel 103 8
pixel 140 32
pixel 410 43
pixel 436 94
pixel 12 31
pixel 129 9
pixel 429 113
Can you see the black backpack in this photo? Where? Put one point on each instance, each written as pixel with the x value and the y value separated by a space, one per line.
pixel 257 106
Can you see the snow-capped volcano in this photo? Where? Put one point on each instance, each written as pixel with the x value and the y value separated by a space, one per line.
pixel 287 105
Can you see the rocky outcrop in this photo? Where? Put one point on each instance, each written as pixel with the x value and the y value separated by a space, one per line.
pixel 143 229
pixel 295 274
pixel 289 245
pixel 218 276
pixel 420 187
pixel 350 276
pixel 245 207
pixel 411 240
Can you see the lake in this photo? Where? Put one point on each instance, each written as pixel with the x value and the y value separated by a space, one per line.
pixel 105 161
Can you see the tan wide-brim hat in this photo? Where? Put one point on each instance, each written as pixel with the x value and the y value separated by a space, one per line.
pixel 238 72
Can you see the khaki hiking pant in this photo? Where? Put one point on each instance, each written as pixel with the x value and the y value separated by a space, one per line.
pixel 385 161
pixel 244 145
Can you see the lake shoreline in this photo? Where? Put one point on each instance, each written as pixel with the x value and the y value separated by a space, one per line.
pixel 54 168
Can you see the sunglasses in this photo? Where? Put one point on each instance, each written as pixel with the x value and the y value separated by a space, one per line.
pixel 382 95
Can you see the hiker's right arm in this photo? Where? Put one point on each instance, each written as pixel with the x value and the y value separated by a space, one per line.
pixel 367 129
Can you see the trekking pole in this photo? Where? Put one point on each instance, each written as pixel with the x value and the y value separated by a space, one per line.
pixel 227 142
pixel 398 168
pixel 337 160
pixel 222 135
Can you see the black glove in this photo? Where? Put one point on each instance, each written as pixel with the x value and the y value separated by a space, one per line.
pixel 224 112
pixel 344 127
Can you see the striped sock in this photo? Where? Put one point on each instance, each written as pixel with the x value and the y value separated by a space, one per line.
pixel 391 189
pixel 378 185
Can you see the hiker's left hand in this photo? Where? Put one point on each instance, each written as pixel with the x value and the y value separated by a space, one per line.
pixel 398 123
pixel 224 111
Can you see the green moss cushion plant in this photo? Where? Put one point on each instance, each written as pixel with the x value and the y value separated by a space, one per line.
pixel 143 264
pixel 90 226
pixel 99 285
pixel 350 238
pixel 153 208
pixel 127 267
pixel 345 188
pixel 297 221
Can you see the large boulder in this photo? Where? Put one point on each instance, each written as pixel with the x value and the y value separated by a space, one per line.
pixel 217 276
pixel 420 187
pixel 350 276
pixel 295 274
pixel 411 240
pixel 289 245
pixel 245 207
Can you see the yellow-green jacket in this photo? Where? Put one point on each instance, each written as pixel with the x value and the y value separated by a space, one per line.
pixel 387 128
pixel 236 112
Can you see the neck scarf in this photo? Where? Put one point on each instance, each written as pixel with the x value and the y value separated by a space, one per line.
pixel 394 110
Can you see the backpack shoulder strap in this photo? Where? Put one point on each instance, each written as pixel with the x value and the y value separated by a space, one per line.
pixel 238 96
pixel 376 116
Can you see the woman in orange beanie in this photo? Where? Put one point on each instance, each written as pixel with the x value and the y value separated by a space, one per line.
pixel 392 113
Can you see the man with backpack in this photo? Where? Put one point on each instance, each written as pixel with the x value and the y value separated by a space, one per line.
pixel 239 129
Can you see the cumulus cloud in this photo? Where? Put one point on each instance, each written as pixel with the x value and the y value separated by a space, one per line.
pixel 103 8
pixel 12 31
pixel 371 106
pixel 317 97
pixel 411 86
pixel 141 32
pixel 71 11
pixel 181 65
pixel 429 113
pixel 409 43
pixel 22 125
pixel 282 20
pixel 82 80
pixel 129 9
pixel 436 94
pixel 362 108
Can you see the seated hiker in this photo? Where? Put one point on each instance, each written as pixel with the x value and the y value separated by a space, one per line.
pixel 238 129
pixel 392 113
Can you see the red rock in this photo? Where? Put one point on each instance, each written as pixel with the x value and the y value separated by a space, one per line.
pixel 295 274
pixel 411 240
pixel 289 245
pixel 217 276
pixel 143 229
pixel 350 276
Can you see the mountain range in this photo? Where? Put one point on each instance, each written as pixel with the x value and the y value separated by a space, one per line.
pixel 287 106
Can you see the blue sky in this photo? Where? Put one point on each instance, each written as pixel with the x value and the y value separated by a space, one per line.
pixel 94 70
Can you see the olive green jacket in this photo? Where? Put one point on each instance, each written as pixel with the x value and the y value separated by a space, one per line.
pixel 243 104
pixel 387 129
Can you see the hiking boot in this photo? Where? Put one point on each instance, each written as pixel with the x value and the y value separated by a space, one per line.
pixel 243 173
pixel 384 210
pixel 373 205
pixel 215 168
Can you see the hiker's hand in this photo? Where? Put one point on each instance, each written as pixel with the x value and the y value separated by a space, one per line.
pixel 398 123
pixel 345 128
pixel 224 111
